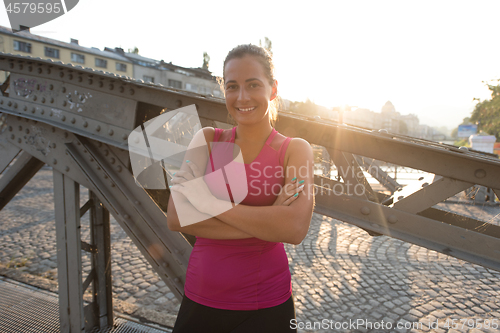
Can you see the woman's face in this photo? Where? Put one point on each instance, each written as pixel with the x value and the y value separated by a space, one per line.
pixel 248 91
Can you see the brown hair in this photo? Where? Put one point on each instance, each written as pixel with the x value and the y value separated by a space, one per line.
pixel 266 60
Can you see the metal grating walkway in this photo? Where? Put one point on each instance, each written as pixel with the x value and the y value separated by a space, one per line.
pixel 27 309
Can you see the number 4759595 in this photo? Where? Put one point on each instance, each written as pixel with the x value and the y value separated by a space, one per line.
pixel 31 7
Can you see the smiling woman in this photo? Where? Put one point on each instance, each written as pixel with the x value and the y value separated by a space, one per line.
pixel 238 278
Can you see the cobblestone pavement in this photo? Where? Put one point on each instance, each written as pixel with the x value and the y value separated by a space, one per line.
pixel 341 275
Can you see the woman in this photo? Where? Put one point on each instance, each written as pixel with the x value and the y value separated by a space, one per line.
pixel 238 278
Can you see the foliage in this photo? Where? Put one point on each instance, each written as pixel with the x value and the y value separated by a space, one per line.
pixel 268 45
pixel 135 50
pixel 487 113
pixel 206 60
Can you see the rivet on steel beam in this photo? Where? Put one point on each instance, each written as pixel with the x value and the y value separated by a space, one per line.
pixel 70 76
pixel 131 91
pixel 39 71
pixel 66 134
pixel 12 136
pixel 112 185
pixel 78 143
pixel 10 103
pixel 48 70
pixel 90 81
pixel 401 197
pixel 101 84
pixel 85 124
pixel 165 264
pixel 425 184
pixel 42 112
pixel 53 129
pixel 61 74
pixel 105 177
pixel 11 65
pixel 53 145
pixel 63 118
pixel 176 280
pixel 66 168
pixel 98 128
pixel 365 210
pixel 480 173
pixel 392 219
pixel 25 108
pixel 35 98
pixel 111 132
pixel 20 128
pixel 99 144
pixel 54 161
pixel 124 136
pixel 43 99
pixel 51 100
pixel 51 87
pixel 15 105
pixel 10 128
pixel 113 160
pixel 20 66
pixel 178 103
pixel 106 152
pixel 19 140
pixel 65 103
pixel 80 79
pixel 73 120
pixel 1 101
pixel 122 89
pixel 91 159
pixel 126 216
pixel 98 168
pixel 137 202
pixel 63 89
pixel 27 131
pixel 51 113
pixel 30 68
pixel 119 168
pixel 111 86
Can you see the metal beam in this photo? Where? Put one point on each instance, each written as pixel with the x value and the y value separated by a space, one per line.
pixel 17 175
pixel 69 265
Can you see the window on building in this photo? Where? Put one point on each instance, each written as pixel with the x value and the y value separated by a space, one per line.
pixel 79 58
pixel 191 87
pixel 121 67
pixel 148 78
pixel 52 53
pixel 175 84
pixel 101 63
pixel 22 46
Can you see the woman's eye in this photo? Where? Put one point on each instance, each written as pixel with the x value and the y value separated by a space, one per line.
pixel 230 87
pixel 253 85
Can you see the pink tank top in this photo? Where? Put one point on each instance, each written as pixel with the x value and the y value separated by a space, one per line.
pixel 243 274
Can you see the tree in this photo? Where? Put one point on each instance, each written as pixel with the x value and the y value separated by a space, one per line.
pixel 268 45
pixel 486 114
pixel 134 50
pixel 206 60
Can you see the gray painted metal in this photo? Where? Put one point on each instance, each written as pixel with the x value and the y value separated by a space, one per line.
pixel 89 146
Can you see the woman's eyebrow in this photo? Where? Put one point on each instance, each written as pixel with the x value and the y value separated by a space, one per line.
pixel 252 79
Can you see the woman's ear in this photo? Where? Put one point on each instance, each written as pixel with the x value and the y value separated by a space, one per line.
pixel 274 91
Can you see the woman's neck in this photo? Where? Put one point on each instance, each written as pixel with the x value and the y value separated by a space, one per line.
pixel 254 133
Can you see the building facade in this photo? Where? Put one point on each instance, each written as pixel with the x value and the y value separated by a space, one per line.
pixel 27 44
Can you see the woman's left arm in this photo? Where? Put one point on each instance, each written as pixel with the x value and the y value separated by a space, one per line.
pixel 287 224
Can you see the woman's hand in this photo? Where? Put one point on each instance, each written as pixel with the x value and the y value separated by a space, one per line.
pixel 193 187
pixel 289 193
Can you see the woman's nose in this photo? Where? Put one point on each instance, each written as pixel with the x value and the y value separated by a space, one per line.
pixel 243 95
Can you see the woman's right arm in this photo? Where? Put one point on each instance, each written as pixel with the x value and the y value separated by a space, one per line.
pixel 211 228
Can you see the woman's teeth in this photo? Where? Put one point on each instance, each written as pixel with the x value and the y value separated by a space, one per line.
pixel 245 110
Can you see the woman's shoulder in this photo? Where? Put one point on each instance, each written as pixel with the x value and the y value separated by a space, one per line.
pixel 297 147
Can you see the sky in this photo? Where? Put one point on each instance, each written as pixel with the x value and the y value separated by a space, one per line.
pixel 429 58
